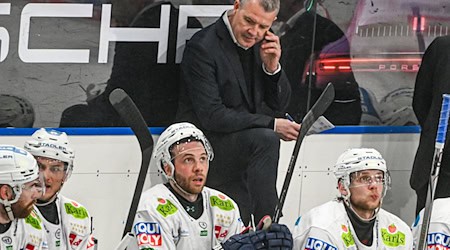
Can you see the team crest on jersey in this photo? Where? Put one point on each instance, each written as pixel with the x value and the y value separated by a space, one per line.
pixel 34 220
pixel 220 232
pixel 316 244
pixel 392 237
pixel 347 236
pixel 77 211
pixel 438 241
pixel 167 208
pixel 221 202
pixel 148 234
pixel 223 220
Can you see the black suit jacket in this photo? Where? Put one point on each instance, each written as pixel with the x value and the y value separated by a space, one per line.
pixel 433 80
pixel 213 92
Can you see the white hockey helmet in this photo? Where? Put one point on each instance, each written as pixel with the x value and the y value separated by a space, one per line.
pixel 52 144
pixel 357 159
pixel 17 167
pixel 172 136
pixel 15 112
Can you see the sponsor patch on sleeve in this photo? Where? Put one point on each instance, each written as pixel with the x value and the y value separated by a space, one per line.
pixel 221 202
pixel 165 207
pixel 148 234
pixel 316 244
pixel 392 237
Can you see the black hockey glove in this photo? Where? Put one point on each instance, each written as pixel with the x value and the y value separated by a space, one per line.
pixel 277 236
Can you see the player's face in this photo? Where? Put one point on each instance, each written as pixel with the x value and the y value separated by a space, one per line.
pixel 366 189
pixel 191 166
pixel 54 175
pixel 31 191
pixel 250 22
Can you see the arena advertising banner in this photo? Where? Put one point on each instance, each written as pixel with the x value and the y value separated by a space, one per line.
pixel 60 59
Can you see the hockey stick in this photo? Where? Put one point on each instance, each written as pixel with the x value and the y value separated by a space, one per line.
pixel 128 111
pixel 435 167
pixel 324 101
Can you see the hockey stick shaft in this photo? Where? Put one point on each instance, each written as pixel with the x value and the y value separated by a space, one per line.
pixel 129 113
pixel 321 105
pixel 434 175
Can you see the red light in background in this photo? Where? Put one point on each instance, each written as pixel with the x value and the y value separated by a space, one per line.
pixel 415 24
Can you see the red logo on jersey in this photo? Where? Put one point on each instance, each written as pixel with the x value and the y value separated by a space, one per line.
pixel 91 242
pixel 29 247
pixel 74 239
pixel 220 232
pixel 221 196
pixel 392 228
pixel 161 200
pixel 75 204
pixel 344 228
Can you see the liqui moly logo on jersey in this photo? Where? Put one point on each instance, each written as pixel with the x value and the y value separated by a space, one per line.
pixel 438 241
pixel 148 234
pixel 316 244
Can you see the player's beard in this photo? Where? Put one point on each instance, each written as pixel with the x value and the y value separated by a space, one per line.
pixel 22 209
pixel 186 184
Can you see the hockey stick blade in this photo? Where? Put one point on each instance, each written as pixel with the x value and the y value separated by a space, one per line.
pixel 321 105
pixel 434 175
pixel 130 114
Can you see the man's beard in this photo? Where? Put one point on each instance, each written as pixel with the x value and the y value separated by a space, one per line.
pixel 184 184
pixel 21 209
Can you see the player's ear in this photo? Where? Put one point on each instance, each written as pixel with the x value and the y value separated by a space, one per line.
pixel 167 170
pixel 5 192
pixel 341 188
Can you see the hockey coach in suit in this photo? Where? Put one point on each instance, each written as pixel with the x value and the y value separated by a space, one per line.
pixel 433 80
pixel 233 88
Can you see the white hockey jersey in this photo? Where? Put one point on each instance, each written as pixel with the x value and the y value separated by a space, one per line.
pixel 162 223
pixel 328 227
pixel 439 230
pixel 28 234
pixel 73 230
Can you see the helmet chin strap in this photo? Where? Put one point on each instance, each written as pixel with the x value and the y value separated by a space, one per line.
pixel 348 203
pixel 172 178
pixel 8 210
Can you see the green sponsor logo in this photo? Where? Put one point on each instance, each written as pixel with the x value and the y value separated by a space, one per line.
pixel 77 212
pixel 166 209
pixel 9 248
pixel 204 233
pixel 347 238
pixel 392 239
pixel 226 205
pixel 58 243
pixel 34 221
